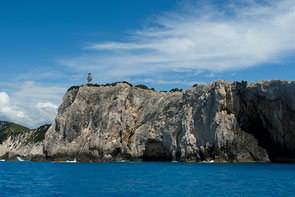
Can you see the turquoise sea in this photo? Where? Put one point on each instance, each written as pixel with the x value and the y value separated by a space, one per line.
pixel 146 179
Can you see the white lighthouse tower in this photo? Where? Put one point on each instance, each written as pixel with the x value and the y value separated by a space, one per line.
pixel 89 78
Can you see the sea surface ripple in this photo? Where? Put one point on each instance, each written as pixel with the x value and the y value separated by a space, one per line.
pixel 146 179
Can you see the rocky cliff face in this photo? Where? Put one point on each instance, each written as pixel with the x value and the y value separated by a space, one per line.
pixel 220 121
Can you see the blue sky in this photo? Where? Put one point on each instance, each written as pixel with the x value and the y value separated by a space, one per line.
pixel 48 46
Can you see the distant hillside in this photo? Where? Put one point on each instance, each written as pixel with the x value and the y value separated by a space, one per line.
pixel 11 129
pixel 19 141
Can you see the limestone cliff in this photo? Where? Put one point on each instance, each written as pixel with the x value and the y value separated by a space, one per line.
pixel 220 121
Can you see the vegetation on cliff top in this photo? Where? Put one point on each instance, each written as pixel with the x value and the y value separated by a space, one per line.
pixel 144 87
pixel 114 84
pixel 97 85
pixel 175 90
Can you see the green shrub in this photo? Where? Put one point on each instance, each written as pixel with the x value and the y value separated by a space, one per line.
pixel 175 90
pixel 142 86
pixel 114 84
pixel 127 83
pixel 93 85
pixel 73 87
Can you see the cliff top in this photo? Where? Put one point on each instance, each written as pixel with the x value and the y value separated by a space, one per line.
pixel 213 83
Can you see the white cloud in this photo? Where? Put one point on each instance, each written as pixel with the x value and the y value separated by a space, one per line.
pixel 46 105
pixel 164 82
pixel 198 38
pixel 30 104
pixel 4 99
pixel 7 110
pixel 118 46
pixel 33 92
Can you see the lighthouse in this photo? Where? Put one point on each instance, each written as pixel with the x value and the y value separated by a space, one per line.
pixel 89 78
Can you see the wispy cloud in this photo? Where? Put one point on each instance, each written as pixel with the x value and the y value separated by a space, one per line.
pixel 40 75
pixel 210 75
pixel 164 82
pixel 197 38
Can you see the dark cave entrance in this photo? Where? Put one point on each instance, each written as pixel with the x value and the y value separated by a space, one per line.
pixel 155 151
pixel 254 125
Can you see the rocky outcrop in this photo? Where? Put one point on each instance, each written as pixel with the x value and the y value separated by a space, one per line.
pixel 220 121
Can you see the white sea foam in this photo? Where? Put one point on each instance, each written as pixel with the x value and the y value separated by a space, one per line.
pixel 211 161
pixel 20 159
pixel 73 161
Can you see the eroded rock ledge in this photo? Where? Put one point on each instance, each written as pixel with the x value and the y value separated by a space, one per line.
pixel 220 121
